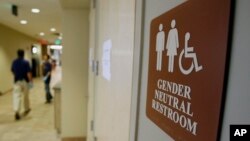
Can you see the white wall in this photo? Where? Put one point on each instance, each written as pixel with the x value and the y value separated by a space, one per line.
pixel 238 95
pixel 74 73
pixel 237 104
pixel 10 41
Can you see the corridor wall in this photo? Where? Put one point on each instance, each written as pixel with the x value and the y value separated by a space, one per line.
pixel 74 73
pixel 10 41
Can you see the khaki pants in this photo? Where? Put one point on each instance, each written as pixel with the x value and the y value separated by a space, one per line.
pixel 21 96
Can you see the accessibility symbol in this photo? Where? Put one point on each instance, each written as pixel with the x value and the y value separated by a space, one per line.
pixel 188 52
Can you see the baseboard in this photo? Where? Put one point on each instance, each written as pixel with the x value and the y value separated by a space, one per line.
pixel 74 139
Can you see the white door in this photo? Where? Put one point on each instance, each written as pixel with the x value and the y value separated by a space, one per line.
pixel 113 80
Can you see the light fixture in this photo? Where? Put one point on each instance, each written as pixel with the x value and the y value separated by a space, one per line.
pixel 35 10
pixel 23 22
pixel 60 37
pixel 52 29
pixel 55 47
pixel 34 50
pixel 41 34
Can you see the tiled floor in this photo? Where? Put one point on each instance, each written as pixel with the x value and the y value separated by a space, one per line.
pixel 37 126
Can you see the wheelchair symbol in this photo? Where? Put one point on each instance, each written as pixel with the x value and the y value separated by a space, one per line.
pixel 188 52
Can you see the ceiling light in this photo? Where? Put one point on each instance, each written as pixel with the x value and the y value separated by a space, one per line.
pixel 52 29
pixel 41 34
pixel 23 22
pixel 55 47
pixel 35 10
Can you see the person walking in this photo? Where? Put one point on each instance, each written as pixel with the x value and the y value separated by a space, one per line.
pixel 47 69
pixel 22 78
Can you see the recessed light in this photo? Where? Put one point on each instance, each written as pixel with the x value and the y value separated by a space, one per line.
pixel 52 29
pixel 23 22
pixel 41 34
pixel 35 10
pixel 34 50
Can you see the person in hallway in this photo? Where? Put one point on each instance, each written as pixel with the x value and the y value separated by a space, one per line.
pixel 47 68
pixel 22 78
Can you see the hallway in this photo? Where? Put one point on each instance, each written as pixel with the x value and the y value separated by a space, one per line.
pixel 38 125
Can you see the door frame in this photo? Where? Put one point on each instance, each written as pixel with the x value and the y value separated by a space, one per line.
pixel 137 69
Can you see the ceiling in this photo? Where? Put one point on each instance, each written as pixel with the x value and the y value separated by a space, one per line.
pixel 50 16
pixel 69 4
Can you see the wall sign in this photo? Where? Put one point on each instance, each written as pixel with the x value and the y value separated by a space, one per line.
pixel 187 60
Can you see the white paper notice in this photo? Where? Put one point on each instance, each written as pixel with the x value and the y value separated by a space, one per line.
pixel 107 45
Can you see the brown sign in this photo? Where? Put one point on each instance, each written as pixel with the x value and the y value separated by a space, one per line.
pixel 187 60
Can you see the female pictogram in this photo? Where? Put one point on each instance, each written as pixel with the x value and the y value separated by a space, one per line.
pixel 172 45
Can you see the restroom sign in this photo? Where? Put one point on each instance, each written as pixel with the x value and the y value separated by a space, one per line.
pixel 187 57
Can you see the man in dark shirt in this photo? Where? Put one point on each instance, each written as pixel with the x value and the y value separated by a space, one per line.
pixel 22 76
pixel 47 68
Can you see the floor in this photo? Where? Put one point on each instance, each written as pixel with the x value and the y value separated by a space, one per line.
pixel 38 125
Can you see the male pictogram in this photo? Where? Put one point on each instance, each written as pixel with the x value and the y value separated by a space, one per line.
pixel 160 41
